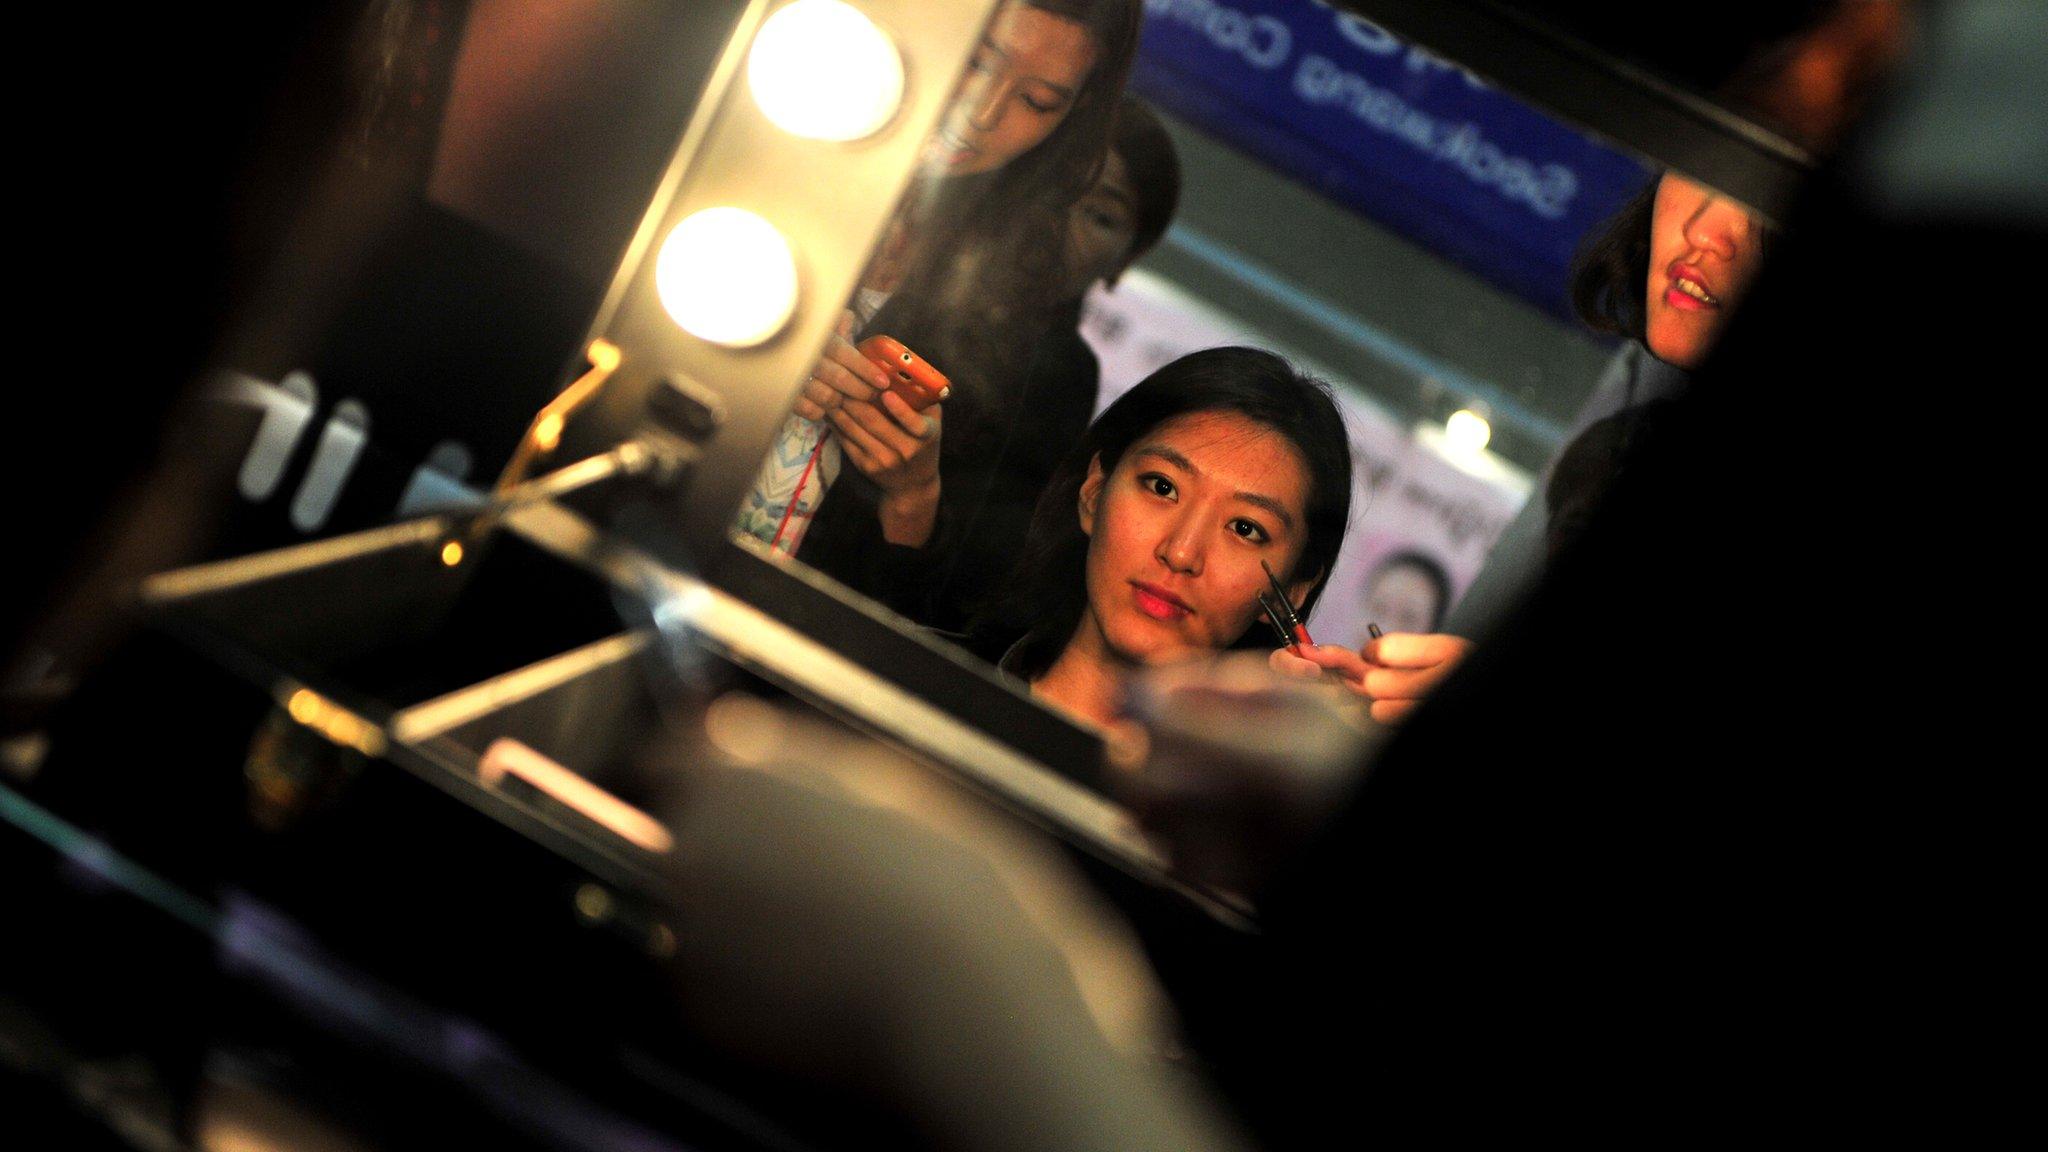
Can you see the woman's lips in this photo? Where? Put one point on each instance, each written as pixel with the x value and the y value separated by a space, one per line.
pixel 1158 603
pixel 1688 291
pixel 950 149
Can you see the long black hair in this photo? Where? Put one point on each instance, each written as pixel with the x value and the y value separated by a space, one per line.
pixel 983 281
pixel 1050 591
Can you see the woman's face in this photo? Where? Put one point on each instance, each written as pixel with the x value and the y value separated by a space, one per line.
pixel 1704 251
pixel 1176 533
pixel 1022 82
pixel 1101 227
pixel 1402 598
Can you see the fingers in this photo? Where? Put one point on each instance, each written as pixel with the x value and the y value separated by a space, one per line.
pixel 881 443
pixel 867 453
pixel 876 432
pixel 876 453
pixel 923 425
pixel 1394 672
pixel 1402 683
pixel 816 399
pixel 1416 650
pixel 1388 711
pixel 843 373
pixel 848 373
pixel 1294 667
pixel 830 386
pixel 1336 658
pixel 1341 664
pixel 858 451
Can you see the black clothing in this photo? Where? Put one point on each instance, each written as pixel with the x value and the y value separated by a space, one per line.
pixel 1003 440
pixel 1678 849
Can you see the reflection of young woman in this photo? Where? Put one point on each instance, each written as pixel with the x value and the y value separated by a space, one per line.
pixel 1670 269
pixel 1047 404
pixel 1667 272
pixel 970 276
pixel 1146 548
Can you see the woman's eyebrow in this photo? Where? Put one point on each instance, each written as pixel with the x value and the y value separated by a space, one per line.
pixel 1255 499
pixel 1062 89
pixel 1269 504
pixel 1162 452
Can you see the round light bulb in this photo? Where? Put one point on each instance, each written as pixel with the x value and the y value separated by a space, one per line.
pixel 1467 431
pixel 821 70
pixel 727 276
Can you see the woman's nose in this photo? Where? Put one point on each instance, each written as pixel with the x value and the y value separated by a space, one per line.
pixel 985 105
pixel 1721 226
pixel 1180 548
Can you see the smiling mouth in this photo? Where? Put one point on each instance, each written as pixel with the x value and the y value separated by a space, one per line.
pixel 1688 287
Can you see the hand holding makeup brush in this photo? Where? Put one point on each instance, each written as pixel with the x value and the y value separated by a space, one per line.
pixel 1394 672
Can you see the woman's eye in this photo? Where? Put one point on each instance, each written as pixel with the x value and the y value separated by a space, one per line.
pixel 1157 485
pixel 1249 530
pixel 1042 107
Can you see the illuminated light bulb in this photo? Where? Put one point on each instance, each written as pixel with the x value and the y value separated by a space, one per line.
pixel 1467 432
pixel 727 276
pixel 451 553
pixel 821 70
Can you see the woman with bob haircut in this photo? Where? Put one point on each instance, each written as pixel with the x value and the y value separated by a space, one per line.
pixel 1669 269
pixel 1151 544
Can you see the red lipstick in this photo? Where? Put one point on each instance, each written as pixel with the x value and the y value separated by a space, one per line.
pixel 1689 290
pixel 1158 603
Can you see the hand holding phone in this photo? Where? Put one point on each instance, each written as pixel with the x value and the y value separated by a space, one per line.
pixel 911 377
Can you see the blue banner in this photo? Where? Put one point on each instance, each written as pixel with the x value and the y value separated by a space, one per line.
pixel 1382 127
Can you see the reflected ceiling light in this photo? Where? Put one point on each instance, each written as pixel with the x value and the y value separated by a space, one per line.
pixel 1467 431
pixel 727 276
pixel 822 70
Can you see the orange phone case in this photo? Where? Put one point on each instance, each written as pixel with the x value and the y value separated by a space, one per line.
pixel 917 382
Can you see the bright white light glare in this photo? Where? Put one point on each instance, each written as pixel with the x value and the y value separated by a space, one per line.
pixel 727 276
pixel 821 70
pixel 1467 431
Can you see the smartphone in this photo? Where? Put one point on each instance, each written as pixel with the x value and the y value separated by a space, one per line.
pixel 910 377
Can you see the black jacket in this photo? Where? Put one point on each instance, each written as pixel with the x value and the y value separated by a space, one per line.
pixel 1003 440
